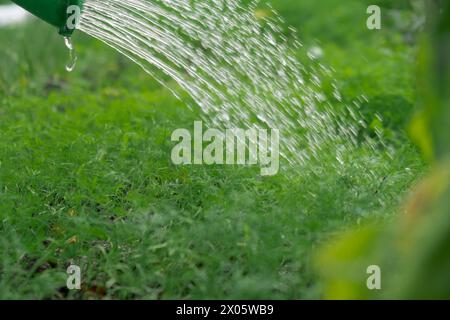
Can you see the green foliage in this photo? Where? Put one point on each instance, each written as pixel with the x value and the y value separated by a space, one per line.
pixel 86 176
pixel 413 251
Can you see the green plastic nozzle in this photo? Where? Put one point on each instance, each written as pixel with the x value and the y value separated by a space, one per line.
pixel 52 11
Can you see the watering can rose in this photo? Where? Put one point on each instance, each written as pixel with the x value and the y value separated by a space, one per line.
pixel 235 146
pixel 63 14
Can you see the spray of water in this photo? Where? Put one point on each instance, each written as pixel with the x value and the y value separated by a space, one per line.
pixel 240 69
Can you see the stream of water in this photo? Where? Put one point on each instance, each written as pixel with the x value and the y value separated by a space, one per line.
pixel 236 63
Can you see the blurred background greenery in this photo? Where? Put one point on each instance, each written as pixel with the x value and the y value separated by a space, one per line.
pixel 413 252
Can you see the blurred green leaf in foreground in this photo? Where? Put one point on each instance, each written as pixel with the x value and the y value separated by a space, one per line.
pixel 413 251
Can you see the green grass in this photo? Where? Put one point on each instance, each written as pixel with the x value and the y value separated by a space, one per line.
pixel 86 176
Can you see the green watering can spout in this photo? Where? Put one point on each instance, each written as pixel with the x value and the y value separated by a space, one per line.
pixel 58 13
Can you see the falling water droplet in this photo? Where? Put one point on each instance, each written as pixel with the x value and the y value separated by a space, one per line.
pixel 73 56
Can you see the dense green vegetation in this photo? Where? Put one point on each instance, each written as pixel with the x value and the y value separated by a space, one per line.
pixel 413 249
pixel 86 175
